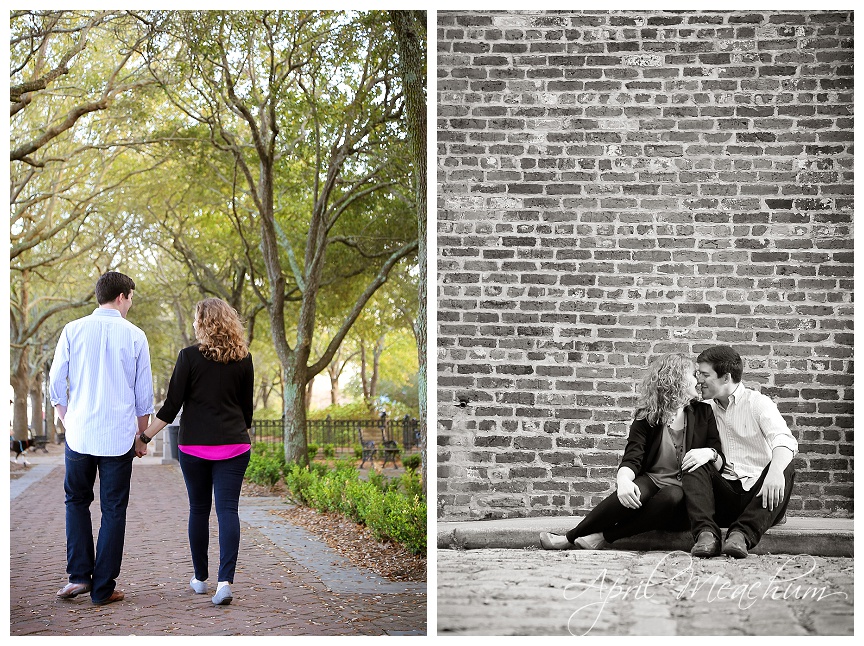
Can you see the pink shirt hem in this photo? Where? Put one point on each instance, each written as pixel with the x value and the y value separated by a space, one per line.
pixel 217 452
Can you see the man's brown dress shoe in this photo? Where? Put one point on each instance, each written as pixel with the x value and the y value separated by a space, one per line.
pixel 735 545
pixel 117 595
pixel 707 545
pixel 73 590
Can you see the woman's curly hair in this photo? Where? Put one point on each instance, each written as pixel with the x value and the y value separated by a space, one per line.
pixel 219 331
pixel 664 388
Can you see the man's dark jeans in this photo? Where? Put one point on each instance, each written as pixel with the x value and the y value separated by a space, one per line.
pixel 713 502
pixel 222 480
pixel 99 569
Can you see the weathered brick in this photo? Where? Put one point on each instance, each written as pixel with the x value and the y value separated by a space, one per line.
pixel 613 186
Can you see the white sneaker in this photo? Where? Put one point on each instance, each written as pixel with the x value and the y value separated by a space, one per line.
pixel 223 596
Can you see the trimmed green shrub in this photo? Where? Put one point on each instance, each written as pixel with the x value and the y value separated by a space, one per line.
pixel 412 462
pixel 329 450
pixel 382 482
pixel 266 464
pixel 312 450
pixel 393 508
pixel 410 483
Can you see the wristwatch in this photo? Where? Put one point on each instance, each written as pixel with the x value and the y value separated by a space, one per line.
pixel 146 439
pixel 713 460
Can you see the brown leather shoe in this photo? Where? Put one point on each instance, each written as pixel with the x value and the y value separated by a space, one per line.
pixel 707 545
pixel 735 545
pixel 71 590
pixel 117 595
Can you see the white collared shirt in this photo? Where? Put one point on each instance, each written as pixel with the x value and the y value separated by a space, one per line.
pixel 750 428
pixel 101 372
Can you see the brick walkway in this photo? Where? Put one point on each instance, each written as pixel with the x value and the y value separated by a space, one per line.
pixel 608 592
pixel 281 588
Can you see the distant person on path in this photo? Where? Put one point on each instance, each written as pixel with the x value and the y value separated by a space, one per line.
pixel 752 491
pixel 213 382
pixel 673 434
pixel 101 386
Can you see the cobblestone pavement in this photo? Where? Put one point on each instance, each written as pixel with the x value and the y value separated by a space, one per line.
pixel 287 581
pixel 608 592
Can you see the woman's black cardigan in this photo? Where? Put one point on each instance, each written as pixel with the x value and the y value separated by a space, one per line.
pixel 216 399
pixel 643 443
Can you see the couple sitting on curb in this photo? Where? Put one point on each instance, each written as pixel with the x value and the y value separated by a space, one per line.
pixel 725 461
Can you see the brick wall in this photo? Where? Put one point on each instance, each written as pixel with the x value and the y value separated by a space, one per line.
pixel 614 185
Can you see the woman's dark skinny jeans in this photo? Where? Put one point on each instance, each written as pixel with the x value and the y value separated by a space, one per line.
pixel 662 508
pixel 206 480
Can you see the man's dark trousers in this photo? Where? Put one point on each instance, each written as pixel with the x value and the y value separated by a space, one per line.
pixel 101 568
pixel 713 501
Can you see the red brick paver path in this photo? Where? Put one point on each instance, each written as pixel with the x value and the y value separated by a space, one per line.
pixel 273 594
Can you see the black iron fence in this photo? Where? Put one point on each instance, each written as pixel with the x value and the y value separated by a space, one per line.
pixel 346 433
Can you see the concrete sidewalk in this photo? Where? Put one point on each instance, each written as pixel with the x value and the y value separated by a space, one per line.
pixel 621 593
pixel 815 536
pixel 288 582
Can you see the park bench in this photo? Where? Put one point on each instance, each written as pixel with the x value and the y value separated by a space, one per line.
pixel 40 442
pixel 391 450
pixel 369 451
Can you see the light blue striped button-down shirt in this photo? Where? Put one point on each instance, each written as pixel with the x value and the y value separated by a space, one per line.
pixel 101 373
pixel 750 429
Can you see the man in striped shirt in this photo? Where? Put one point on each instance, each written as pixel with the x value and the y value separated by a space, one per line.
pixel 101 386
pixel 751 491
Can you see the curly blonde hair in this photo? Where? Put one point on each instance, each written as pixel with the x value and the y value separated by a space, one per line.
pixel 219 331
pixel 664 388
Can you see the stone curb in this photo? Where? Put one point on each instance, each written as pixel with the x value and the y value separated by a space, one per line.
pixel 816 536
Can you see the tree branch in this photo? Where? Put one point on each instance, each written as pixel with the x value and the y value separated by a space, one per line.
pixel 379 280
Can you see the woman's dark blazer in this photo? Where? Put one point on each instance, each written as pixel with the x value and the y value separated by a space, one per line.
pixel 216 399
pixel 643 443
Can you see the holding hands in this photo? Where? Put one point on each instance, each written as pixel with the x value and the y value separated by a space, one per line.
pixel 695 458
pixel 150 432
pixel 140 447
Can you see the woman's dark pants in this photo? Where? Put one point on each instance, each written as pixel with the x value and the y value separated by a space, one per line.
pixel 205 480
pixel 661 509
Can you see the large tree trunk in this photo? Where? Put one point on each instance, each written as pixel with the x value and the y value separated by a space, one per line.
pixel 334 389
pixel 36 406
pixel 410 28
pixel 294 414
pixel 376 367
pixel 49 421
pixel 20 389
pixel 309 394
pixel 363 381
pixel 264 392
pixel 20 378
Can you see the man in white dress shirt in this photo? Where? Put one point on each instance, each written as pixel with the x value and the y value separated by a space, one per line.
pixel 101 386
pixel 751 491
